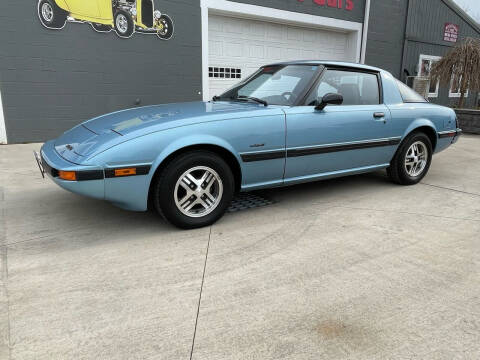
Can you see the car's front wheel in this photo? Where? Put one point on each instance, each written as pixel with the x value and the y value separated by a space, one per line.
pixel 412 160
pixel 51 15
pixel 194 189
pixel 124 25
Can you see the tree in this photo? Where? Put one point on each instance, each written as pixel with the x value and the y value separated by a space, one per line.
pixel 462 64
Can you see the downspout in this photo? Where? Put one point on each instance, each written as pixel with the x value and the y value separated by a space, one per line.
pixel 3 129
pixel 405 41
pixel 366 20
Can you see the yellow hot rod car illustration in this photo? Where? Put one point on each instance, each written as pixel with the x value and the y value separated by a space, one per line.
pixel 125 16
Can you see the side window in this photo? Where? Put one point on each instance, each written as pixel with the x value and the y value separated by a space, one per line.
pixel 408 94
pixel 357 88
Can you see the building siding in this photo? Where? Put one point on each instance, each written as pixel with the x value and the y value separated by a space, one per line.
pixel 386 34
pixel 51 80
pixel 424 35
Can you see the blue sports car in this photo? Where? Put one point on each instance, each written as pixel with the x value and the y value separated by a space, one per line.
pixel 285 124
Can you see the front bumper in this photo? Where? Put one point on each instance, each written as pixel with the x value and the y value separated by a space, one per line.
pixel 127 192
pixel 90 179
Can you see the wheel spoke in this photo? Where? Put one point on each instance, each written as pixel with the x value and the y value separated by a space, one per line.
pixel 209 196
pixel 204 202
pixel 191 204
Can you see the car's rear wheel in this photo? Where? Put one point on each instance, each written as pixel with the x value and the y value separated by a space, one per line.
pixel 166 27
pixel 101 27
pixel 412 160
pixel 194 189
pixel 123 22
pixel 51 15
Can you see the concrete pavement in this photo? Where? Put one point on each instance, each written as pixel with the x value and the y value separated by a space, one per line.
pixel 352 268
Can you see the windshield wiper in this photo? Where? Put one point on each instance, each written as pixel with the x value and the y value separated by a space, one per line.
pixel 260 101
pixel 216 98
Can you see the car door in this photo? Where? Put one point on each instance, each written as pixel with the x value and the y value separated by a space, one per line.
pixel 354 135
pixel 85 8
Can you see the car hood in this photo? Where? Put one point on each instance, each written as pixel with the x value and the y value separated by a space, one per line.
pixel 103 132
pixel 153 117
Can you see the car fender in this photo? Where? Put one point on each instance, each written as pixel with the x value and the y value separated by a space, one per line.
pixel 62 4
pixel 418 123
pixel 193 140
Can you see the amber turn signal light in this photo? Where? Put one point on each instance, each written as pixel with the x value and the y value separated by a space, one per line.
pixel 67 175
pixel 125 172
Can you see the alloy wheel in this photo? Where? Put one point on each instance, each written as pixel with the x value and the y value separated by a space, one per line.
pixel 416 159
pixel 198 191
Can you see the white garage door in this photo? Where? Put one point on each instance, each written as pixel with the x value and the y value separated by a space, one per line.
pixel 238 47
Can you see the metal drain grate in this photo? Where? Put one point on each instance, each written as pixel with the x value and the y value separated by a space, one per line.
pixel 244 201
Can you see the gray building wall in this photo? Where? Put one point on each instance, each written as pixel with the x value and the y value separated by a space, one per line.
pixel 402 30
pixel 425 31
pixel 386 35
pixel 51 80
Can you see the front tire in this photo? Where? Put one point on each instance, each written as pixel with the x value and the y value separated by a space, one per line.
pixel 194 190
pixel 124 25
pixel 51 15
pixel 412 160
pixel 166 32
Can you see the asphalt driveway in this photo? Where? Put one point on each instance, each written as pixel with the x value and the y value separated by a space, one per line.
pixel 353 268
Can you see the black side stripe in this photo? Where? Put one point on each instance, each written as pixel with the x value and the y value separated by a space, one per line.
pixel 260 156
pixel 337 148
pixel 141 170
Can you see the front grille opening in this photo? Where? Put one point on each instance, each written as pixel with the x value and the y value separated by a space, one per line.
pixel 147 13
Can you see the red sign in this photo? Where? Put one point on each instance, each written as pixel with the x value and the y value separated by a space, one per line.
pixel 451 32
pixel 339 4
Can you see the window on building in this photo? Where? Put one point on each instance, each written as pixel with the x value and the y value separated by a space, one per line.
pixel 424 70
pixel 409 95
pixel 456 87
pixel 357 88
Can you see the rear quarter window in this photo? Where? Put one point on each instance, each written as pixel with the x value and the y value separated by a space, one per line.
pixel 409 95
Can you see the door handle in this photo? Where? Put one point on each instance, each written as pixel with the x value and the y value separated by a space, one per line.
pixel 379 115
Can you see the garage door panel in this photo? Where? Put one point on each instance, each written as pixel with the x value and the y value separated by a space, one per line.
pixel 248 44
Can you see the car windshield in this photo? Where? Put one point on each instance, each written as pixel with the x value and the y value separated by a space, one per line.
pixel 276 85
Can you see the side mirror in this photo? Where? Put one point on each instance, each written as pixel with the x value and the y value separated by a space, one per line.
pixel 329 99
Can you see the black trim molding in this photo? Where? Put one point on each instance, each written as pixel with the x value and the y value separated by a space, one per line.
pixel 315 150
pixel 89 175
pixel 341 147
pixel 260 156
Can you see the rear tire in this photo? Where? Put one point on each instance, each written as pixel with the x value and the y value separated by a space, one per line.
pixel 194 190
pixel 412 160
pixel 51 15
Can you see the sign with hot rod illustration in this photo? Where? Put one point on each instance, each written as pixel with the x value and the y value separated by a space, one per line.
pixel 124 16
